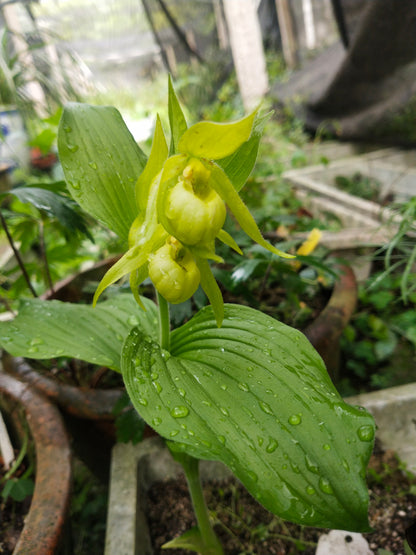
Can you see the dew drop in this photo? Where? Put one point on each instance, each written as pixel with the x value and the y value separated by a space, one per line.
pixel 179 411
pixel 132 321
pixel 181 392
pixel 156 421
pixel 252 475
pixel 224 387
pixel 67 128
pixel 158 387
pixel 325 486
pixel 32 350
pixel 244 387
pixel 75 185
pixel 366 433
pixel 311 465
pixel 295 419
pixel 221 439
pixel 265 407
pixel 71 147
pixel 174 433
pixel 327 447
pixel 310 490
pixel 272 445
pixel 154 375
pixel 93 165
pixel 224 411
pixel 142 401
pixel 206 443
pixel 36 341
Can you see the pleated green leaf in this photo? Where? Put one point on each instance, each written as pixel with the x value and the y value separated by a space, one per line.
pixel 255 395
pixel 101 163
pixel 49 329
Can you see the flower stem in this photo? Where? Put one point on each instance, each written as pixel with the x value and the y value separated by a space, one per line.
pixel 164 322
pixel 211 542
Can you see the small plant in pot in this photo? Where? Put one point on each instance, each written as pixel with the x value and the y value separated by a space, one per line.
pixel 231 384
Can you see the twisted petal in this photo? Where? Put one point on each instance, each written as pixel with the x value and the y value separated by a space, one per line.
pixel 133 260
pixel 220 182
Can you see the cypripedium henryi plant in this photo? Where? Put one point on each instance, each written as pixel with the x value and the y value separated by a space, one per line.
pixel 181 203
pixel 231 384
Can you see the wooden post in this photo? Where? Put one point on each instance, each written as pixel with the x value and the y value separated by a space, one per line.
pixel 247 49
pixel 287 32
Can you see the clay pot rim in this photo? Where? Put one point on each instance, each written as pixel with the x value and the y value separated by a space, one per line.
pixel 44 523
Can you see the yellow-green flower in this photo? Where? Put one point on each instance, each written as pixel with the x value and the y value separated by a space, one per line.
pixel 181 203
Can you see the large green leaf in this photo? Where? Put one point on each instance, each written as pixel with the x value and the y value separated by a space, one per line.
pixel 49 329
pixel 101 163
pixel 255 395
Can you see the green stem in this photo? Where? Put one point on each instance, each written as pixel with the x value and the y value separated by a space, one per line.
pixel 211 542
pixel 164 322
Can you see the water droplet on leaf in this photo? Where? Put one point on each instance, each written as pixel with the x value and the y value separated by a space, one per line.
pixel 295 419
pixel 179 411
pixel 325 486
pixel 272 445
pixel 366 433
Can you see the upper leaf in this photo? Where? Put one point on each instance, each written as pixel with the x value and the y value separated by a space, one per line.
pixel 177 120
pixel 255 395
pixel 101 163
pixel 50 329
pixel 215 140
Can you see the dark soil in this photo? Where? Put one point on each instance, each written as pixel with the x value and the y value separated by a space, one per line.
pixel 78 373
pixel 12 513
pixel 245 528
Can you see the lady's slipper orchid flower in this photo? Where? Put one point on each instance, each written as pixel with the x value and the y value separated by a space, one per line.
pixel 181 201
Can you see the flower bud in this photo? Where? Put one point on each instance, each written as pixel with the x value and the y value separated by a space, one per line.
pixel 194 211
pixel 174 272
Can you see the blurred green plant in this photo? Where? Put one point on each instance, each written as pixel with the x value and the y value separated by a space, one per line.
pixel 379 344
pixel 43 228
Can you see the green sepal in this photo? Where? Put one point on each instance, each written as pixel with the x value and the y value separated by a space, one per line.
pixel 223 186
pixel 211 289
pixel 213 141
pixel 177 120
pixel 132 260
pixel 101 162
pixel 157 157
pixel 135 279
pixel 226 238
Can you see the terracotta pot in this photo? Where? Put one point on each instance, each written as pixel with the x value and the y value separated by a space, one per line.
pixel 44 525
pixel 325 331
